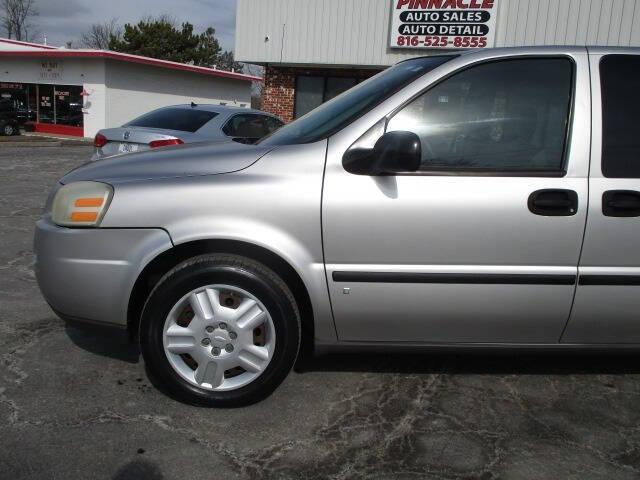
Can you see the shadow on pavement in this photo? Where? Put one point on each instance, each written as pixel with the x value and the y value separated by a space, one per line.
pixel 542 363
pixel 115 343
pixel 105 341
pixel 139 470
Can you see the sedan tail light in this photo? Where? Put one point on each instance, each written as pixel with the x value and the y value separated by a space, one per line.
pixel 165 143
pixel 99 141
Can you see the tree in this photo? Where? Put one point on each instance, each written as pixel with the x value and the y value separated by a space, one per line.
pixel 100 34
pixel 226 62
pixel 16 15
pixel 162 38
pixel 256 87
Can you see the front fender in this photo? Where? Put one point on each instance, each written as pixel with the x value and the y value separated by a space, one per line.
pixel 274 204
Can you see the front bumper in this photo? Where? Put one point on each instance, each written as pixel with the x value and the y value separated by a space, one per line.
pixel 88 274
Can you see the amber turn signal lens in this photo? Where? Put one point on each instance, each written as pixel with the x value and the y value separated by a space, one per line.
pixel 89 202
pixel 84 216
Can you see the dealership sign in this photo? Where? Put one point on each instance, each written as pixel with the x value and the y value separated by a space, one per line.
pixel 443 23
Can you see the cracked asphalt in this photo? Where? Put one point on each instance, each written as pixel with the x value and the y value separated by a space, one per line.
pixel 76 403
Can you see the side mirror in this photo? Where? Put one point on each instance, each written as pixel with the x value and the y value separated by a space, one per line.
pixel 394 152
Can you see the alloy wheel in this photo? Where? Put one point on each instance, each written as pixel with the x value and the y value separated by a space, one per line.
pixel 219 337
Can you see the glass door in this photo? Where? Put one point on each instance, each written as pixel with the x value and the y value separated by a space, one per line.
pixel 46 104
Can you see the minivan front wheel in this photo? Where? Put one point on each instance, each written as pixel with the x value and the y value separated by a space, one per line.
pixel 220 330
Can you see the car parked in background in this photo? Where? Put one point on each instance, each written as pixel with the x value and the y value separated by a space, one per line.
pixel 9 122
pixel 190 123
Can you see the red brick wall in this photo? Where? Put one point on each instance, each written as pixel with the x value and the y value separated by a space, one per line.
pixel 278 93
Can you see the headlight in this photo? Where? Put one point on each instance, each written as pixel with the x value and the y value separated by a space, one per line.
pixel 81 204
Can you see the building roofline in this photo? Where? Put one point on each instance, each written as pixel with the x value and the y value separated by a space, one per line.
pixel 27 44
pixel 52 52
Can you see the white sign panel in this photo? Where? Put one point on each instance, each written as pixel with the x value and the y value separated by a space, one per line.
pixel 443 23
pixel 51 69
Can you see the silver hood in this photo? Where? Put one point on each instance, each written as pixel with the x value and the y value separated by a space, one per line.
pixel 170 162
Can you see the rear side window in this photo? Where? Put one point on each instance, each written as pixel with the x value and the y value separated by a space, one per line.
pixel 620 85
pixel 251 126
pixel 181 119
pixel 272 124
pixel 503 116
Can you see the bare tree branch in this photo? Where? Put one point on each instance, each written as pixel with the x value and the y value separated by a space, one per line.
pixel 256 87
pixel 16 16
pixel 99 34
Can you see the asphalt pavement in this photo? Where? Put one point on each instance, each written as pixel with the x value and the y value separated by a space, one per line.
pixel 76 403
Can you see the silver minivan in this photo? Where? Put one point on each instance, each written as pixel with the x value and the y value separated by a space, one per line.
pixel 483 199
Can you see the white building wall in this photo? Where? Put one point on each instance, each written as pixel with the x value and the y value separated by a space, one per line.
pixel 356 32
pixel 95 102
pixel 85 72
pixel 70 71
pixel 135 89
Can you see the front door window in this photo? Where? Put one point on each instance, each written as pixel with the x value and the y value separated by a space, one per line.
pixel 510 115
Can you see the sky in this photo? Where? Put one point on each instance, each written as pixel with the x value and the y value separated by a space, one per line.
pixel 66 20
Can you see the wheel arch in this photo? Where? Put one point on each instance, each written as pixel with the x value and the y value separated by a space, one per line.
pixel 168 259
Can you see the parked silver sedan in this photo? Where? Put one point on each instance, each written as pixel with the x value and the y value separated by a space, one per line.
pixel 188 123
pixel 466 200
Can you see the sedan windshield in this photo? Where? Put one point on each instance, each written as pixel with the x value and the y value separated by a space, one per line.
pixel 332 116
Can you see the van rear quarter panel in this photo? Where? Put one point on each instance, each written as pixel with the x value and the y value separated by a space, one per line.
pixel 274 204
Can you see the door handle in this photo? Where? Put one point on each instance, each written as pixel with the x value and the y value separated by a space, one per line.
pixel 621 203
pixel 553 202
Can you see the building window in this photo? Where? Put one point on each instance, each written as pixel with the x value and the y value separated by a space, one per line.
pixel 43 103
pixel 312 91
pixel 46 113
pixel 68 101
pixel 20 97
pixel 336 85
pixel 309 94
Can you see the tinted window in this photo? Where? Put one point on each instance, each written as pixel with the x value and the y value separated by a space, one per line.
pixel 506 115
pixel 7 105
pixel 272 124
pixel 251 126
pixel 182 119
pixel 309 93
pixel 334 115
pixel 620 81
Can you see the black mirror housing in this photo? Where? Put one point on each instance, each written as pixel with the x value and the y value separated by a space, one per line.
pixel 394 152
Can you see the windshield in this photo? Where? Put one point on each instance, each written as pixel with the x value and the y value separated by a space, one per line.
pixel 332 116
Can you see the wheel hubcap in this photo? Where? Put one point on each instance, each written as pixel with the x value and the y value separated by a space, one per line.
pixel 219 345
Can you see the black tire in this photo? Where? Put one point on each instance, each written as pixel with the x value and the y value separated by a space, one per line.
pixel 9 129
pixel 226 269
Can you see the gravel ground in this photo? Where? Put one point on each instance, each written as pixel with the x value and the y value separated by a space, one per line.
pixel 76 403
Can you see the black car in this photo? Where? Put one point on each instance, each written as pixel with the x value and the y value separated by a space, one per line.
pixel 9 122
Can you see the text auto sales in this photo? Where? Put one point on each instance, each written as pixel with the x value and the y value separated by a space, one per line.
pixel 443 23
